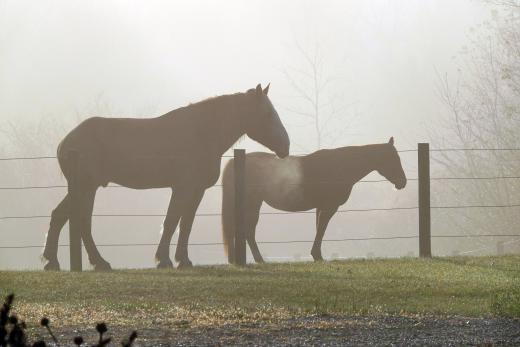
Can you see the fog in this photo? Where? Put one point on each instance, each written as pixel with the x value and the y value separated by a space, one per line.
pixel 63 61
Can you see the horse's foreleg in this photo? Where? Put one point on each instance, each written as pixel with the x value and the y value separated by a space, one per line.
pixel 59 217
pixel 322 220
pixel 162 256
pixel 252 215
pixel 86 206
pixel 188 215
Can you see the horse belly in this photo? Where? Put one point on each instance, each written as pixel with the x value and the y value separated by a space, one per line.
pixel 287 198
pixel 284 190
pixel 141 174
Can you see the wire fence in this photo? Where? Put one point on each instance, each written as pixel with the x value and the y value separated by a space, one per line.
pixel 222 156
pixel 62 186
pixel 280 242
pixel 477 206
pixel 303 154
pixel 217 214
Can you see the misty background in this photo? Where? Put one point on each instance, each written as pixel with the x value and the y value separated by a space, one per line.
pixel 341 73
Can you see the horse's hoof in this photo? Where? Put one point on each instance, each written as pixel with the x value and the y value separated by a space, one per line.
pixel 165 264
pixel 53 265
pixel 102 266
pixel 316 255
pixel 185 265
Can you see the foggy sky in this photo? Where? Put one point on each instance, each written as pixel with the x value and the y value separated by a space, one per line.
pixel 57 57
pixel 61 60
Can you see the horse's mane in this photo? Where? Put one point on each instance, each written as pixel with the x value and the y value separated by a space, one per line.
pixel 213 102
pixel 360 147
pixel 216 99
pixel 220 97
pixel 348 149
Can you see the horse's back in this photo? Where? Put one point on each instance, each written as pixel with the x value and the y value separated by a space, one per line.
pixel 299 183
pixel 135 152
pixel 98 136
pixel 278 182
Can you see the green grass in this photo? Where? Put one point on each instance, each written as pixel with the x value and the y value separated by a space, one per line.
pixel 468 286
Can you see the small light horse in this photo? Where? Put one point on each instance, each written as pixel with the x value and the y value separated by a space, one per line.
pixel 322 180
pixel 181 150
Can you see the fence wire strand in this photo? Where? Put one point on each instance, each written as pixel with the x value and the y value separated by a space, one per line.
pixel 61 186
pixel 217 214
pixel 303 154
pixel 281 242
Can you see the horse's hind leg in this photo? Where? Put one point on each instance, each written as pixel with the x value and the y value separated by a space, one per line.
pixel 322 220
pixel 86 206
pixel 190 205
pixel 252 215
pixel 59 217
pixel 162 256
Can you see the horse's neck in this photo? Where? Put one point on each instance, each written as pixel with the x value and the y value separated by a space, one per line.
pixel 228 123
pixel 218 120
pixel 359 161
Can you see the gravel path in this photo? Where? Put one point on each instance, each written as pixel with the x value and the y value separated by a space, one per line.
pixel 336 331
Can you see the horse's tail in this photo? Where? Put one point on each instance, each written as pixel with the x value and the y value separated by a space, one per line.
pixel 228 204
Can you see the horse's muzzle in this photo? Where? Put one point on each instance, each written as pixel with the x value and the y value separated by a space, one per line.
pixel 400 185
pixel 283 149
pixel 282 153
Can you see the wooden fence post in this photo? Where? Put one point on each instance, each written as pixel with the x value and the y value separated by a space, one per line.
pixel 74 222
pixel 425 248
pixel 240 237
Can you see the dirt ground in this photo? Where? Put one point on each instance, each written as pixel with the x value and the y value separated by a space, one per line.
pixel 330 331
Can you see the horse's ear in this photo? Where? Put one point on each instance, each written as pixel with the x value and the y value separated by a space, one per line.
pixel 391 141
pixel 259 89
pixel 266 89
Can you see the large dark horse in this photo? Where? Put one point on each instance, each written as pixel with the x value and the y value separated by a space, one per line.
pixel 322 180
pixel 181 150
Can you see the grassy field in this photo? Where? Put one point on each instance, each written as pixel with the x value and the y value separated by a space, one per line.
pixel 473 287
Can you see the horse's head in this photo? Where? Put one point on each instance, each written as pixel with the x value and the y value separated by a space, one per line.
pixel 390 166
pixel 263 124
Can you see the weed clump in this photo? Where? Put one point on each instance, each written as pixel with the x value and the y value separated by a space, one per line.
pixel 12 331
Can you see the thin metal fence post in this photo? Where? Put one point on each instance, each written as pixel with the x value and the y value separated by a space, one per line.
pixel 500 248
pixel 240 237
pixel 423 150
pixel 74 220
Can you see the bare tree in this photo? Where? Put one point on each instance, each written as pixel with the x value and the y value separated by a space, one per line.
pixel 484 113
pixel 41 138
pixel 314 83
